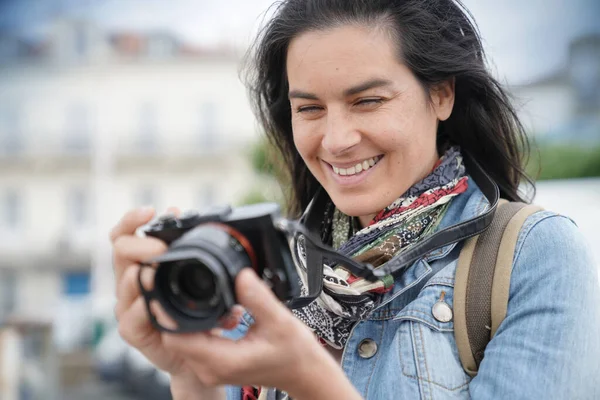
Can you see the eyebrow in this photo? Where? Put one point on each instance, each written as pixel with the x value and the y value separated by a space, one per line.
pixel 370 84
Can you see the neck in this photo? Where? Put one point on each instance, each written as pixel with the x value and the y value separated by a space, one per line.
pixel 365 220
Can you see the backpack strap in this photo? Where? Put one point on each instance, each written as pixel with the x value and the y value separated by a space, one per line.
pixel 482 282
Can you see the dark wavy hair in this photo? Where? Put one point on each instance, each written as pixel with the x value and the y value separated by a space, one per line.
pixel 437 40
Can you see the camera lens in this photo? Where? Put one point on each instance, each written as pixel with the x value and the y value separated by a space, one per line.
pixel 197 282
pixel 194 280
pixel 194 287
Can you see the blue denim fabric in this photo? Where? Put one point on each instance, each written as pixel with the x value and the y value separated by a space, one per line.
pixel 548 347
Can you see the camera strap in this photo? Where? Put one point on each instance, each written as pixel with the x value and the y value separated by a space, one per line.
pixel 317 252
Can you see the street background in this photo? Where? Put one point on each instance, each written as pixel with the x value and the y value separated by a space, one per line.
pixel 107 105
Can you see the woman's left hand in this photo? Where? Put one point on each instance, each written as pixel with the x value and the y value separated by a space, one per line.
pixel 278 350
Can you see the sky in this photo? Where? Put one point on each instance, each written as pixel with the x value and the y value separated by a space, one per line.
pixel 525 39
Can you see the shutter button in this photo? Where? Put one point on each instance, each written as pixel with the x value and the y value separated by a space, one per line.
pixel 367 348
pixel 441 310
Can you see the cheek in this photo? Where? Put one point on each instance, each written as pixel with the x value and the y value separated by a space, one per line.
pixel 394 131
pixel 305 141
pixel 414 129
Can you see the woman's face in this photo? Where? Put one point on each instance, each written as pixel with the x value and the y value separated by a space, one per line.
pixel 361 121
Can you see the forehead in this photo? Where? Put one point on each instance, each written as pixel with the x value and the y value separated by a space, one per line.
pixel 345 52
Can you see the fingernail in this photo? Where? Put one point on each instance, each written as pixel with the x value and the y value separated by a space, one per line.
pixel 216 332
pixel 229 320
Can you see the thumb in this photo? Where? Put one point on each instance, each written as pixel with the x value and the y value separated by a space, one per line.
pixel 176 211
pixel 254 294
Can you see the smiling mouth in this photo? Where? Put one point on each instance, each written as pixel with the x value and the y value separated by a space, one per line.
pixel 358 168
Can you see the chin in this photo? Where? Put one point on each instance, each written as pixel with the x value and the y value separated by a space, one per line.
pixel 354 206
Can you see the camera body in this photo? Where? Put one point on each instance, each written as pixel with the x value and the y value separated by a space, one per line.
pixel 194 279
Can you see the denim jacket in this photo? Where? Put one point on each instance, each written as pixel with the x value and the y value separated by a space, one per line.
pixel 548 346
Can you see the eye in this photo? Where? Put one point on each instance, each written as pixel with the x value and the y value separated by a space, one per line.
pixel 371 101
pixel 308 109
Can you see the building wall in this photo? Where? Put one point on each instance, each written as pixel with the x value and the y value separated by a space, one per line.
pixel 179 100
pixel 544 108
pixel 94 140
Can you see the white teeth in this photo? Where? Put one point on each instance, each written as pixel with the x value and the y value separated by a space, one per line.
pixel 358 168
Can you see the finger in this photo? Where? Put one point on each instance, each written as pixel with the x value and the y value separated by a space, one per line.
pixel 131 221
pixel 132 249
pixel 205 374
pixel 176 211
pixel 258 299
pixel 200 346
pixel 137 249
pixel 136 329
pixel 254 295
pixel 162 318
pixel 232 319
pixel 228 360
pixel 229 321
pixel 128 289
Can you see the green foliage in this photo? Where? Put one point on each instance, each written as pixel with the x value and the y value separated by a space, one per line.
pixel 260 160
pixel 268 164
pixel 253 197
pixel 266 159
pixel 564 161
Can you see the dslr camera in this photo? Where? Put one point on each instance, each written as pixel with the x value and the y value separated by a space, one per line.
pixel 194 279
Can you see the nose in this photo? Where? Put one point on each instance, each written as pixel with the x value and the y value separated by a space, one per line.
pixel 340 135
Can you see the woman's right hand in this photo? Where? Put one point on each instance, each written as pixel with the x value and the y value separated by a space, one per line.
pixel 134 324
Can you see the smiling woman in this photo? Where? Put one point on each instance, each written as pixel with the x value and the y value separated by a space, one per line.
pixel 388 108
pixel 397 142
pixel 352 101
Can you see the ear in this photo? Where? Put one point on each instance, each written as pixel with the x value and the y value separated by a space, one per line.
pixel 442 99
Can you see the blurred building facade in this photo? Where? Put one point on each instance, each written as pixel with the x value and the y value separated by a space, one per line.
pixel 565 105
pixel 92 124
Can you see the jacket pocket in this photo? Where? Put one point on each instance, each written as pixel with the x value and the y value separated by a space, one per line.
pixel 426 341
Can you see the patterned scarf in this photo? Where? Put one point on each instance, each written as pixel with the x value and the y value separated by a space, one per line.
pixel 347 299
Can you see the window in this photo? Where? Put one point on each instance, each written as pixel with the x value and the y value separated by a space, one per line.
pixel 78 207
pixel 148 134
pixel 11 136
pixel 146 196
pixel 585 74
pixel 76 283
pixel 79 128
pixel 11 209
pixel 208 125
pixel 586 80
pixel 8 293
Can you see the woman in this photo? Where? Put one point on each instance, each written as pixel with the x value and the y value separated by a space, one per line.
pixel 382 104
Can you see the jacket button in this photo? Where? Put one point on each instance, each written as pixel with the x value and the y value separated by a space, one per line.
pixel 442 311
pixel 367 348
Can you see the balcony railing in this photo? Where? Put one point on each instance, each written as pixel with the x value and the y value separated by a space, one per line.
pixel 48 147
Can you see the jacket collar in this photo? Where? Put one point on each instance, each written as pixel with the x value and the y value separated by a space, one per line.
pixel 468 205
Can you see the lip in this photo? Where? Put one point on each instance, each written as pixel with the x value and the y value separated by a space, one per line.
pixel 351 163
pixel 351 180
